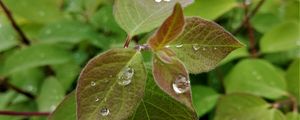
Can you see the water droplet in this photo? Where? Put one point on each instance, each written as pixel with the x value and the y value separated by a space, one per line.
pixel 196 47
pixel 104 111
pixel 204 49
pixel 157 0
pixel 215 48
pixel 179 46
pixel 181 84
pixel 93 83
pixel 97 99
pixel 167 46
pixel 126 77
pixel 167 0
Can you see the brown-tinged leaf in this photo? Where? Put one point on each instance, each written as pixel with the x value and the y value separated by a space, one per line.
pixel 169 30
pixel 203 44
pixel 140 16
pixel 173 78
pixel 111 85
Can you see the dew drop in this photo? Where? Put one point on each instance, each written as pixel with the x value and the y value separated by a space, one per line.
pixel 97 99
pixel 93 83
pixel 157 0
pixel 181 84
pixel 104 111
pixel 196 47
pixel 215 48
pixel 126 77
pixel 179 46
pixel 204 49
pixel 167 46
pixel 167 0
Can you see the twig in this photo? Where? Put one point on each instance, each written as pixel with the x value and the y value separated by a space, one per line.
pixel 291 101
pixel 127 42
pixel 248 17
pixel 24 39
pixel 14 113
pixel 15 88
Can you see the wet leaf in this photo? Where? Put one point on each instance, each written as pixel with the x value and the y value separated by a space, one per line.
pixel 157 105
pixel 111 85
pixel 203 44
pixel 139 16
pixel 173 78
pixel 169 30
pixel 66 110
pixel 238 107
pixel 293 79
pixel 257 77
pixel 35 56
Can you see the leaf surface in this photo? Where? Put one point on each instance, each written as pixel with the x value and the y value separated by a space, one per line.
pixel 139 16
pixel 203 44
pixel 293 79
pixel 66 110
pixel 111 85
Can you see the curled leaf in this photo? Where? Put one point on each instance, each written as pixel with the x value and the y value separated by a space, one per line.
pixel 111 85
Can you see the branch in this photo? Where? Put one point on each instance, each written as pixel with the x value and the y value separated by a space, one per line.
pixel 248 16
pixel 15 88
pixel 24 39
pixel 14 113
pixel 127 42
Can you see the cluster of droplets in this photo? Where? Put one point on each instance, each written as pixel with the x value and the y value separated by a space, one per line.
pixel 195 47
pixel 181 84
pixel 162 0
pixel 126 77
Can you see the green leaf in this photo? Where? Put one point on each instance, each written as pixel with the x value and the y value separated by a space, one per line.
pixel 263 22
pixel 291 10
pixel 8 37
pixel 173 78
pixel 293 79
pixel 283 37
pixel 210 9
pixel 157 105
pixel 257 77
pixel 66 32
pixel 34 56
pixel 204 99
pixel 50 95
pixel 111 85
pixel 293 116
pixel 245 107
pixel 238 53
pixel 66 110
pixel 169 30
pixel 36 10
pixel 139 16
pixel 203 44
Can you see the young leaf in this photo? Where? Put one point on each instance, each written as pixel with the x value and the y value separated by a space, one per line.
pixel 66 110
pixel 245 107
pixel 111 85
pixel 157 105
pixel 35 56
pixel 203 44
pixel 169 30
pixel 173 78
pixel 139 16
pixel 257 77
pixel 293 79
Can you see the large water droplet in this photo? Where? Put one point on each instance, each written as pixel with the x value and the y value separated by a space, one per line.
pixel 93 83
pixel 126 77
pixel 157 0
pixel 104 111
pixel 181 84
pixel 179 45
pixel 196 47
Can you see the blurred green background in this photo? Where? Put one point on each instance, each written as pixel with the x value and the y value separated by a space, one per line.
pixel 258 82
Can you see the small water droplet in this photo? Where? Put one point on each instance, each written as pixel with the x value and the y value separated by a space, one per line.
pixel 196 47
pixel 179 45
pixel 93 83
pixel 181 84
pixel 157 0
pixel 126 77
pixel 204 49
pixel 97 99
pixel 104 111
pixel 167 0
pixel 215 48
pixel 167 46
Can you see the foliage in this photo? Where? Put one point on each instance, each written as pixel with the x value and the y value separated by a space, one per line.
pixel 181 59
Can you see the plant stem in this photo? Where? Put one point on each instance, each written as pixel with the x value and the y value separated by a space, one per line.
pixel 14 113
pixel 15 88
pixel 248 16
pixel 127 42
pixel 24 39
